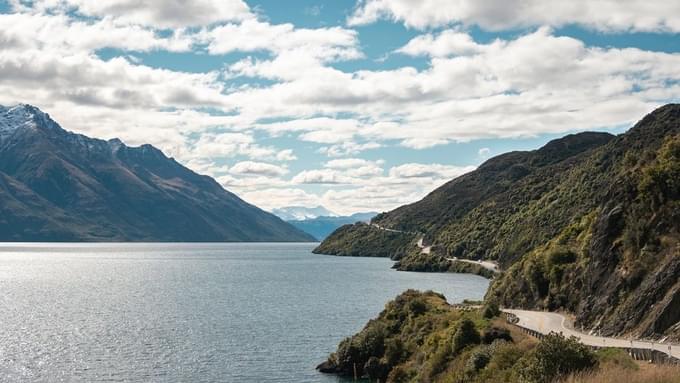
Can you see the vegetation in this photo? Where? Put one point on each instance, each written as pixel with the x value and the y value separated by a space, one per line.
pixel 589 223
pixel 415 261
pixel 555 356
pixel 617 374
pixel 615 366
pixel 363 240
pixel 420 338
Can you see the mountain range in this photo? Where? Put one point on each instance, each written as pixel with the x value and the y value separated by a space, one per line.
pixel 589 224
pixel 301 213
pixel 321 227
pixel 60 186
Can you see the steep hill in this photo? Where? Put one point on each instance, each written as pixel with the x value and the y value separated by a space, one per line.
pixel 467 216
pixel 60 186
pixel 589 223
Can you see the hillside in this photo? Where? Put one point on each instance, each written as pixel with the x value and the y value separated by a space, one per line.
pixel 418 337
pixel 589 224
pixel 60 186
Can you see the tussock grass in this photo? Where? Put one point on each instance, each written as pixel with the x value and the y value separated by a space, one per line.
pixel 620 374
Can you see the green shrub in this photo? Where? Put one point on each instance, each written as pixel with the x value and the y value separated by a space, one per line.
pixel 554 357
pixel 479 358
pixel 465 335
pixel 417 306
pixel 615 357
pixel 491 310
pixel 505 356
pixel 561 257
pixel 496 333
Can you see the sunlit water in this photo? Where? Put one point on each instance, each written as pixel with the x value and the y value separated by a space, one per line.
pixel 189 312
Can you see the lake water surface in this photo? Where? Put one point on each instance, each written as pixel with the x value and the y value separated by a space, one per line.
pixel 190 312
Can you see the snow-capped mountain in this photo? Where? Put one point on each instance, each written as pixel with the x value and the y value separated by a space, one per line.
pixel 60 186
pixel 301 213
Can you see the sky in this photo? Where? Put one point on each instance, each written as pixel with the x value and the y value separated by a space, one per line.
pixel 353 105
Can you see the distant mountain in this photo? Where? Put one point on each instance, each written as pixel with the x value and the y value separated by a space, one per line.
pixel 59 186
pixel 588 224
pixel 300 213
pixel 321 227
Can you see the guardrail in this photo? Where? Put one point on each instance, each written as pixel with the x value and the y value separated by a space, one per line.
pixel 646 354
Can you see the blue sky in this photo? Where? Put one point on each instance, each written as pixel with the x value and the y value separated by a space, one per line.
pixel 354 105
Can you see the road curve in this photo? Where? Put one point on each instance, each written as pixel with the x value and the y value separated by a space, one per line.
pixel 546 322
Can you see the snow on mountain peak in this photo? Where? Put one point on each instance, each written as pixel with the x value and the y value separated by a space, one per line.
pixel 301 213
pixel 21 116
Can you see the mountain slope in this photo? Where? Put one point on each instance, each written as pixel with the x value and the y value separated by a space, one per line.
pixel 467 216
pixel 588 224
pixel 62 186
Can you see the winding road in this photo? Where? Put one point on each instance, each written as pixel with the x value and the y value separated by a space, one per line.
pixel 546 322
pixel 489 265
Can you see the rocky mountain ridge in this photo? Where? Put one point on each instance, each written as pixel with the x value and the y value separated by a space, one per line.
pixel 60 186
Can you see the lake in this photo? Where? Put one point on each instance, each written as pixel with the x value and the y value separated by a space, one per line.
pixel 190 312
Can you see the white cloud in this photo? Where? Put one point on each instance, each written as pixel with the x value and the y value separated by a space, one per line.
pixel 321 176
pixel 347 148
pixel 232 144
pixel 528 85
pixel 61 33
pixel 447 43
pixel 258 168
pixel 156 13
pixel 279 197
pixel 371 197
pixel 414 170
pixel 484 152
pixel 348 163
pixel 603 15
pixel 333 43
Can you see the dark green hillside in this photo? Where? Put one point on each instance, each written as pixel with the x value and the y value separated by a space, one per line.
pixel 618 268
pixel 466 216
pixel 363 240
pixel 589 223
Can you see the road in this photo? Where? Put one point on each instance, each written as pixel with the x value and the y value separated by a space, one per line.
pixel 392 230
pixel 546 322
pixel 493 266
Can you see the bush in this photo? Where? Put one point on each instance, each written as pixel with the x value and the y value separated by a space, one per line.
pixel 465 335
pixel 494 333
pixel 479 358
pixel 554 357
pixel 417 306
pixel 608 357
pixel 491 310
pixel 561 257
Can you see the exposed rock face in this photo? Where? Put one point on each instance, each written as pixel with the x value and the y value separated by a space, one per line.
pixel 589 224
pixel 60 186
